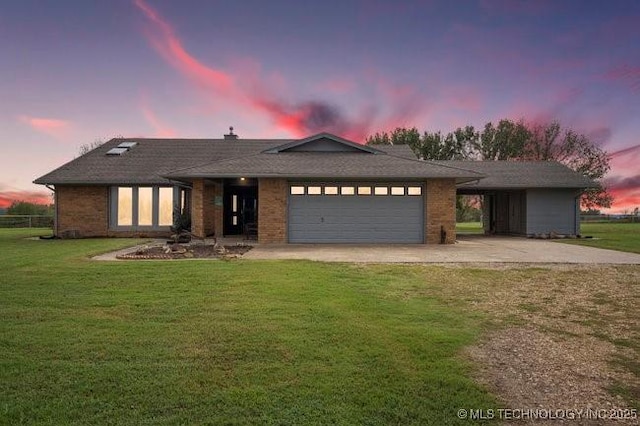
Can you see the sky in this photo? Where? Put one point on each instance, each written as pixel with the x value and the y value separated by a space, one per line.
pixel 75 72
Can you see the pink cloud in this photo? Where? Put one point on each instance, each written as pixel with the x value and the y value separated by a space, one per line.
pixel 161 130
pixel 38 197
pixel 256 93
pixel 53 127
pixel 165 41
pixel 635 149
pixel 625 74
pixel 338 85
pixel 626 159
pixel 624 199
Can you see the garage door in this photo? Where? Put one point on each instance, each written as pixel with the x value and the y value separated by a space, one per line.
pixel 355 213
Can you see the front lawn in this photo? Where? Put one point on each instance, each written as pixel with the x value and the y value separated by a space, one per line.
pixel 298 342
pixel 222 342
pixel 614 236
pixel 469 228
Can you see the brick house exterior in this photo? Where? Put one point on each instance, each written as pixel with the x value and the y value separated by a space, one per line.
pixel 318 189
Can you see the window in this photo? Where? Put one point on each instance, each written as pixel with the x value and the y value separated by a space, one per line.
pixel 347 190
pixel 297 190
pixel 397 190
pixel 125 206
pixel 165 207
pixel 147 206
pixel 314 190
pixel 414 190
pixel 330 190
pixel 364 190
pixel 381 190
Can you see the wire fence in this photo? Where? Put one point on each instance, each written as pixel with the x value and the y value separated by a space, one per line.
pixel 26 221
pixel 610 218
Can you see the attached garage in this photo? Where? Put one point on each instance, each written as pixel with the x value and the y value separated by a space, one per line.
pixel 356 213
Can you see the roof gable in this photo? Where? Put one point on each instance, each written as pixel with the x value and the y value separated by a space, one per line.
pixel 323 142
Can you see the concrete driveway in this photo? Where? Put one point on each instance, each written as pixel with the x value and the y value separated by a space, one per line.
pixel 471 249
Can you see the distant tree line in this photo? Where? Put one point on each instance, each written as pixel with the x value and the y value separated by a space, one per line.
pixel 511 140
pixel 30 209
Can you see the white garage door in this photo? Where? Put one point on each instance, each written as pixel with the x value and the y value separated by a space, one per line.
pixel 356 213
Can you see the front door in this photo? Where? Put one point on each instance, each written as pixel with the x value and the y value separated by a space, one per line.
pixel 240 209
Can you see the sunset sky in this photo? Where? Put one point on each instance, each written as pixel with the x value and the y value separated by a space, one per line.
pixel 72 72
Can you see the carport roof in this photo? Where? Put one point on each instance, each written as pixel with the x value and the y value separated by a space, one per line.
pixel 521 175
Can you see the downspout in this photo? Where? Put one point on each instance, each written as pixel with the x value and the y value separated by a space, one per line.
pixel 55 209
pixel 576 219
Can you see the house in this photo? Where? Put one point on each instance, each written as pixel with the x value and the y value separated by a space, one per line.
pixel 320 189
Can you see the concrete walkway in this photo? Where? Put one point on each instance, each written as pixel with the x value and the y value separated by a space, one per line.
pixel 468 249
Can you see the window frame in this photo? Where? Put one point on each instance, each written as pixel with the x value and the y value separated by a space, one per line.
pixel 135 205
pixel 363 189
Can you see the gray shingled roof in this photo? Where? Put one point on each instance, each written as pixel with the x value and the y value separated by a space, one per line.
pixel 522 174
pixel 162 161
pixel 323 165
pixel 150 160
pixel 159 161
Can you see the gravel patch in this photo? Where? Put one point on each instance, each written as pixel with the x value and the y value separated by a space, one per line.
pixel 560 337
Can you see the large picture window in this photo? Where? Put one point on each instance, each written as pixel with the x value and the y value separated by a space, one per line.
pixel 143 206
pixel 165 207
pixel 125 206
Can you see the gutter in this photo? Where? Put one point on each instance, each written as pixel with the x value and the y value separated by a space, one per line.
pixel 55 209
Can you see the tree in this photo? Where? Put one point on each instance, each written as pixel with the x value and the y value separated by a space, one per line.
pixel 86 147
pixel 31 209
pixel 505 141
pixel 576 151
pixel 509 140
pixel 400 136
pixel 452 146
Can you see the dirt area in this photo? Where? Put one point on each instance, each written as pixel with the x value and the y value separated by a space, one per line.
pixel 565 340
pixel 186 251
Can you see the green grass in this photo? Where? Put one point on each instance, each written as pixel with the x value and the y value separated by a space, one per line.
pixel 614 236
pixel 469 228
pixel 238 342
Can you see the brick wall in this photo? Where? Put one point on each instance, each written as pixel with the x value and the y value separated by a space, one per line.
pixel 209 205
pixel 218 210
pixel 82 211
pixel 197 208
pixel 272 210
pixel 206 217
pixel 441 210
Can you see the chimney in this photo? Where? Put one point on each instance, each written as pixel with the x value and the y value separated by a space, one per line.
pixel 231 135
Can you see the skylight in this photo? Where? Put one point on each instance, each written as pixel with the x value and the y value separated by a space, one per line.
pixel 127 144
pixel 121 148
pixel 117 151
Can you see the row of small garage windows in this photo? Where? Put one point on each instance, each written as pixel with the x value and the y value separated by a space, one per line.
pixel 355 189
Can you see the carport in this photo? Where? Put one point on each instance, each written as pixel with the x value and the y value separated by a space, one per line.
pixel 526 197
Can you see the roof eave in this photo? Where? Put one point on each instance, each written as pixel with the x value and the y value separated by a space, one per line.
pixel 459 179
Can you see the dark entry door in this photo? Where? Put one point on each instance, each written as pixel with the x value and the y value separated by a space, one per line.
pixel 240 209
